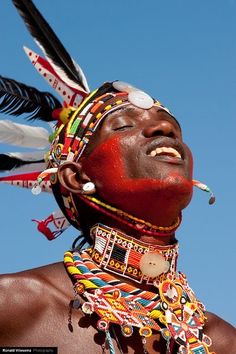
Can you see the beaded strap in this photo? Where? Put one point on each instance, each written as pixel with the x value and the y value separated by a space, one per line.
pixel 130 220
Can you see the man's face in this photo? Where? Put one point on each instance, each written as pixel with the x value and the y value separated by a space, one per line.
pixel 139 153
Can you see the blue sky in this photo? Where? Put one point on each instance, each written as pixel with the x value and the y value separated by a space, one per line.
pixel 184 54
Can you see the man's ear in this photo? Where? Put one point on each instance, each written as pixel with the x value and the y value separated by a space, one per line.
pixel 72 177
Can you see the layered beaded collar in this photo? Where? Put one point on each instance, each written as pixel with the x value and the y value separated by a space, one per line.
pixel 171 309
pixel 124 255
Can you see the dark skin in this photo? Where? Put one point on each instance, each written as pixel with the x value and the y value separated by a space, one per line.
pixel 35 307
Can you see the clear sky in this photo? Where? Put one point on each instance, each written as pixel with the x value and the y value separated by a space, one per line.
pixel 184 54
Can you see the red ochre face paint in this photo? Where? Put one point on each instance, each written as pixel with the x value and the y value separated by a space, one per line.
pixel 110 166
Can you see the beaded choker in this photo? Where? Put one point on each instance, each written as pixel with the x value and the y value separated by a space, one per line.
pixel 121 254
pixel 130 220
pixel 172 309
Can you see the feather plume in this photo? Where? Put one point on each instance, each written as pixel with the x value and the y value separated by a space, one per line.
pixel 11 161
pixel 27 180
pixel 71 96
pixel 49 43
pixel 17 98
pixel 32 167
pixel 23 135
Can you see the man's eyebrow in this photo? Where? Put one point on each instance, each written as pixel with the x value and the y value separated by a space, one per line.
pixel 126 109
pixel 133 109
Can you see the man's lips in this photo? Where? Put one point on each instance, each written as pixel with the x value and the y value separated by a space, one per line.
pixel 165 151
pixel 167 148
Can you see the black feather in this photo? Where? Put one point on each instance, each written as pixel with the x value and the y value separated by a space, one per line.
pixel 17 98
pixel 43 33
pixel 8 163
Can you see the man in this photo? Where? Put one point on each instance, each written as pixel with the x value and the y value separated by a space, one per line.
pixel 119 170
pixel 36 303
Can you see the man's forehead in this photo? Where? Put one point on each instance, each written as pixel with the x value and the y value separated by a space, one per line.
pixel 132 112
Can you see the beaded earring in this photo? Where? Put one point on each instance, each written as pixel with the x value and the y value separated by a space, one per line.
pixel 37 186
pixel 89 188
pixel 205 188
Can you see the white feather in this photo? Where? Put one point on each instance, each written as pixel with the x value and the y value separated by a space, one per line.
pixel 33 167
pixel 28 156
pixel 23 135
pixel 61 73
pixel 84 80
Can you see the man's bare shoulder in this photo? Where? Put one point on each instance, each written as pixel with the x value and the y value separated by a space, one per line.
pixel 27 296
pixel 35 311
pixel 34 282
pixel 222 334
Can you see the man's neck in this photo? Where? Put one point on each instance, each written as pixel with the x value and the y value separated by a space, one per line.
pixel 141 236
pixel 162 236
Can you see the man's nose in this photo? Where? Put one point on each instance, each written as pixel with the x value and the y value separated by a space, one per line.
pixel 160 128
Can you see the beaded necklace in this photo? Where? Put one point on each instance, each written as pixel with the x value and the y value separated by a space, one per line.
pixel 121 254
pixel 172 309
pixel 132 221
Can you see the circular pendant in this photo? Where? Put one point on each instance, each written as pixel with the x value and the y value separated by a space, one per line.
pixel 87 308
pixel 145 331
pixel 170 293
pixel 140 99
pixel 102 325
pixel 126 330
pixel 137 97
pixel 152 264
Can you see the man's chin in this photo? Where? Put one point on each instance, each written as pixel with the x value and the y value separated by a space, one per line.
pixel 131 192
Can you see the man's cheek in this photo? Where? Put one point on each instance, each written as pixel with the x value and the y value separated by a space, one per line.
pixel 105 164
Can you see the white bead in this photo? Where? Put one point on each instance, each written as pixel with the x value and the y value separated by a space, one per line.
pixel 140 99
pixel 89 187
pixel 36 189
pixel 87 308
pixel 153 264
pixel 123 86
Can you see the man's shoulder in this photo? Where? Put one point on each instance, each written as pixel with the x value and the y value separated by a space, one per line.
pixel 33 284
pixel 32 303
pixel 222 333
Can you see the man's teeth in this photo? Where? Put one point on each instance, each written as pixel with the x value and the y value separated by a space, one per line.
pixel 165 151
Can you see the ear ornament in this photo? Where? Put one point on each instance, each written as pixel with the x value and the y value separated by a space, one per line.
pixel 89 188
pixel 205 188
pixel 45 174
